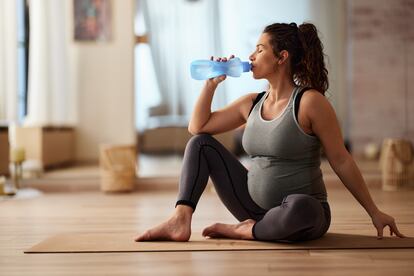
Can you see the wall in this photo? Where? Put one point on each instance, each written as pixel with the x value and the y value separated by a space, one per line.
pixel 330 18
pixel 103 78
pixel 381 70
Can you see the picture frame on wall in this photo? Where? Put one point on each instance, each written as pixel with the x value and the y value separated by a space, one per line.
pixel 92 20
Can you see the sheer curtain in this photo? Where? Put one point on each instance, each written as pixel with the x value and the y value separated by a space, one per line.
pixel 51 101
pixel 147 92
pixel 179 32
pixel 8 61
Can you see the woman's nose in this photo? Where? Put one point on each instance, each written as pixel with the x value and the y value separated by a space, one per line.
pixel 251 57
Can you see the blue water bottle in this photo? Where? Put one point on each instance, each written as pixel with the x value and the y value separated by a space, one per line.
pixel 206 69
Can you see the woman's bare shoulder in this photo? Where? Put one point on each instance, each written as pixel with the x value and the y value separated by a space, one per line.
pixel 247 102
pixel 315 105
pixel 314 99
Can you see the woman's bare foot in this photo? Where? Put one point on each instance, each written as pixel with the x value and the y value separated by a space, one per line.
pixel 177 228
pixel 242 230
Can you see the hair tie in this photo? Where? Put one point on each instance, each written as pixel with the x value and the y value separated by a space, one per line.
pixel 301 40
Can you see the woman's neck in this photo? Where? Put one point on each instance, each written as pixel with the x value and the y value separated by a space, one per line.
pixel 280 88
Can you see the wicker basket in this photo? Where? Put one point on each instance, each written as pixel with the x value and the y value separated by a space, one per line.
pixel 117 167
pixel 397 164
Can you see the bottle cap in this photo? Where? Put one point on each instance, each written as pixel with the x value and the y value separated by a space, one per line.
pixel 246 66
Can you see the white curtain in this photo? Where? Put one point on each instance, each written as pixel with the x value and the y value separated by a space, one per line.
pixel 181 31
pixel 8 61
pixel 51 99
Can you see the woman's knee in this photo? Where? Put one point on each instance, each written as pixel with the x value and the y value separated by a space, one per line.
pixel 298 218
pixel 198 142
pixel 304 207
pixel 200 139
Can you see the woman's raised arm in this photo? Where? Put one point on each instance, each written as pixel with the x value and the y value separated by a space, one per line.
pixel 225 119
pixel 222 120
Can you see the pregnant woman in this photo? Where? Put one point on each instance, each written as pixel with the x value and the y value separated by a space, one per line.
pixel 282 197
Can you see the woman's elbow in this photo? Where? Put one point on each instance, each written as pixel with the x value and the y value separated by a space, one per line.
pixel 193 131
pixel 338 159
pixel 198 131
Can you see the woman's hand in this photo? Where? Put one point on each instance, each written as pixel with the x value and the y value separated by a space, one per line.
pixel 220 78
pixel 380 220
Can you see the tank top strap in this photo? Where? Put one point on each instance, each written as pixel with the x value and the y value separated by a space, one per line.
pixel 293 96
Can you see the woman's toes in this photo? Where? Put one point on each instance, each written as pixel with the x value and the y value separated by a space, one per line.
pixel 206 231
pixel 209 230
pixel 171 230
pixel 143 237
pixel 242 230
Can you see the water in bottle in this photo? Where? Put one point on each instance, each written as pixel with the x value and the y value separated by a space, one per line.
pixel 206 69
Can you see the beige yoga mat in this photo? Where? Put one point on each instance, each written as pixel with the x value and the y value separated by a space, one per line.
pixel 124 242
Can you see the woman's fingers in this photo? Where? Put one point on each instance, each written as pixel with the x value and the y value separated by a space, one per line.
pixel 379 233
pixel 224 59
pixel 230 57
pixel 395 230
pixel 382 220
pixel 217 59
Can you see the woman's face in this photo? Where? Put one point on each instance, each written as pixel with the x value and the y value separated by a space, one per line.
pixel 264 62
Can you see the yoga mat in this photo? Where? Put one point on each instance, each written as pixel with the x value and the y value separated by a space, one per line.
pixel 124 242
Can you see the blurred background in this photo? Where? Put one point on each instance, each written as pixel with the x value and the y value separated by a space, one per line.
pixel 77 74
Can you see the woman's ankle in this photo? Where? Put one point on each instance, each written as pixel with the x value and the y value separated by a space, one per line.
pixel 183 211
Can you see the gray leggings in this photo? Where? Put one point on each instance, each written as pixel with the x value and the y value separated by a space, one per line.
pixel 300 217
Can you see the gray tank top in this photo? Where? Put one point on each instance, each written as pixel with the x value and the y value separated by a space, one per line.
pixel 285 160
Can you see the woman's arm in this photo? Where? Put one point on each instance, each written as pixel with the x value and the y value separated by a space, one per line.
pixel 351 176
pixel 324 124
pixel 225 119
pixel 202 109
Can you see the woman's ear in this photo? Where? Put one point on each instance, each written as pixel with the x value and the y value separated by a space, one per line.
pixel 283 56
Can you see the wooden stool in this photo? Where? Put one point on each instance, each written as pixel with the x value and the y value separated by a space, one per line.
pixel 397 164
pixel 117 167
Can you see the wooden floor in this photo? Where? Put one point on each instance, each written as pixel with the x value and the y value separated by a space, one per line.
pixel 70 202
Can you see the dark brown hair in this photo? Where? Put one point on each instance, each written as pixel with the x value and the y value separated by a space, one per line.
pixel 305 51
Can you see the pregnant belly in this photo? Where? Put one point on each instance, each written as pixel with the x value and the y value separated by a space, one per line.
pixel 269 186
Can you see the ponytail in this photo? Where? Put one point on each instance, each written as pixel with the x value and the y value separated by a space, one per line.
pixel 311 70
